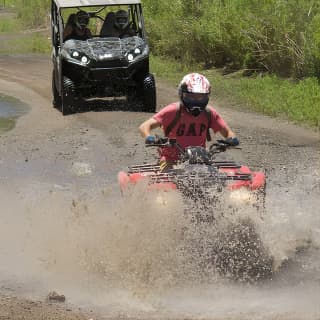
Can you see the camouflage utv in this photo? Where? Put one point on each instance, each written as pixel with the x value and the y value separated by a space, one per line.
pixel 100 51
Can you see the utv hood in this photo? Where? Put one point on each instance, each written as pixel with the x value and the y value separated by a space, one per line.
pixel 105 49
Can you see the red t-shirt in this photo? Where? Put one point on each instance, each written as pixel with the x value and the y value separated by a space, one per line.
pixel 189 130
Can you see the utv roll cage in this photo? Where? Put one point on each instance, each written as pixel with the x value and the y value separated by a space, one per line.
pixel 58 23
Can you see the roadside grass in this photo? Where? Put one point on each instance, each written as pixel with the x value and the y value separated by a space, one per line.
pixel 298 101
pixel 26 43
pixel 15 39
pixel 7 24
pixel 167 69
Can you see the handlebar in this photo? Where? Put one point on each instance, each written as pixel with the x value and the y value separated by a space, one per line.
pixel 221 146
pixel 217 147
pixel 165 142
pixel 162 142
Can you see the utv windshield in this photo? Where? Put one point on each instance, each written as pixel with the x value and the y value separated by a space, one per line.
pixel 119 21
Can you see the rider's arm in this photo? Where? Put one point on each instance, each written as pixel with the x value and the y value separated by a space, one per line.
pixel 230 136
pixel 219 125
pixel 146 127
pixel 226 132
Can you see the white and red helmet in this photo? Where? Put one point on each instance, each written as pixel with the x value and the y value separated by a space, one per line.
pixel 194 91
pixel 194 83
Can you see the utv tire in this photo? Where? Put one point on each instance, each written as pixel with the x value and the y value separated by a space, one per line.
pixel 66 108
pixel 149 100
pixel 56 101
pixel 67 101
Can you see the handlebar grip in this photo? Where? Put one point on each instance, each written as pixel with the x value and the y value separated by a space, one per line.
pixel 163 140
pixel 222 142
pixel 232 142
pixel 152 141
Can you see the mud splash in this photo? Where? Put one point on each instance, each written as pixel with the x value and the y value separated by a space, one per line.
pixel 136 256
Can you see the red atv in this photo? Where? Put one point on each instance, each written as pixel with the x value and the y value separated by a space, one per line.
pixel 219 196
pixel 197 172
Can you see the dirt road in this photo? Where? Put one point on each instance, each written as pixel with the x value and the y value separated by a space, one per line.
pixel 65 227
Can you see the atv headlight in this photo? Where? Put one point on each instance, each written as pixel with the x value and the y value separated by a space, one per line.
pixel 242 196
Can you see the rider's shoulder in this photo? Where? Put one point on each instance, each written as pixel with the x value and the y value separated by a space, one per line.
pixel 212 109
pixel 172 107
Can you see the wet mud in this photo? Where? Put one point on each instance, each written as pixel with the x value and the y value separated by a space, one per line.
pixel 10 110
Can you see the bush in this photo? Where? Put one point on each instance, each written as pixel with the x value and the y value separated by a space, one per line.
pixel 275 36
pixel 33 13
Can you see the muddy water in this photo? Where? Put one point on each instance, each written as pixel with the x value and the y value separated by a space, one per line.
pixel 132 261
pixel 10 110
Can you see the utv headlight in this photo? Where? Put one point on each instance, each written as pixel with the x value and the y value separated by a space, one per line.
pixel 130 57
pixel 137 53
pixel 75 54
pixel 84 59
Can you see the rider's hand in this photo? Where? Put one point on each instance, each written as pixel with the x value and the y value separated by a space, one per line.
pixel 150 140
pixel 232 141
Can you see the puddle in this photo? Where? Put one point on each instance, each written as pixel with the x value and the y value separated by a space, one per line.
pixel 10 110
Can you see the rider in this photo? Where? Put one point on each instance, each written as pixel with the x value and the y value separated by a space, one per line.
pixel 188 121
pixel 76 27
pixel 122 25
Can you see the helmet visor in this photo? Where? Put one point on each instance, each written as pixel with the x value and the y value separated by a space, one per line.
pixel 195 100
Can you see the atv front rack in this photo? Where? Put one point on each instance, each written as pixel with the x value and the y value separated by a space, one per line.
pixel 144 168
pixel 156 168
pixel 152 171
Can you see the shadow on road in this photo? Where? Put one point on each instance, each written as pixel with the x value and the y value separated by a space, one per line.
pixel 103 105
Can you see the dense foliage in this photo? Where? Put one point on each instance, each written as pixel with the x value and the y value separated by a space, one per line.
pixel 279 36
pixel 32 13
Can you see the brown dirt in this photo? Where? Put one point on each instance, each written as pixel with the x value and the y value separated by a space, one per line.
pixel 39 158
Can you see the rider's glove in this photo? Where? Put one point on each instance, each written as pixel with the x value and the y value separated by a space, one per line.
pixel 232 141
pixel 150 140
